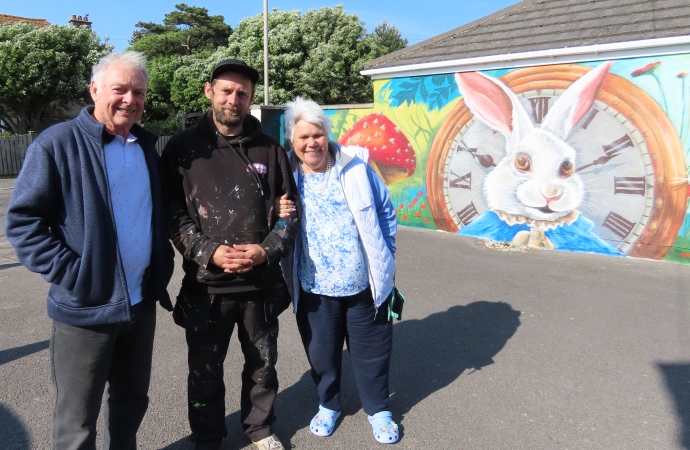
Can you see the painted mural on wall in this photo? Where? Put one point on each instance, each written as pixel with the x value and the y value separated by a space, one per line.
pixel 581 157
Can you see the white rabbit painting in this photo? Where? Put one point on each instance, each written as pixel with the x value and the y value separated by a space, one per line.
pixel 534 192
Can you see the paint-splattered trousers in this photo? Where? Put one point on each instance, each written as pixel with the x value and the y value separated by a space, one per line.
pixel 210 321
pixel 325 323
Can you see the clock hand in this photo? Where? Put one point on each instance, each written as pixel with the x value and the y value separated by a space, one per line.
pixel 486 161
pixel 602 160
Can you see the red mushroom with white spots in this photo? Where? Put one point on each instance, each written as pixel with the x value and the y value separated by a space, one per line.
pixel 390 153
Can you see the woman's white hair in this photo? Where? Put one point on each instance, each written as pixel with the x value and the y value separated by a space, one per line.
pixel 135 60
pixel 307 110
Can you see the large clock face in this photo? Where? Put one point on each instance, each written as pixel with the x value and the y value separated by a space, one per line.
pixel 632 186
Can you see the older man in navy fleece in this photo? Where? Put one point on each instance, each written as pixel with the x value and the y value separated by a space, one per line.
pixel 86 213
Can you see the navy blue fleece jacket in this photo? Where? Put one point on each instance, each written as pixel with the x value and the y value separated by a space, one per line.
pixel 61 224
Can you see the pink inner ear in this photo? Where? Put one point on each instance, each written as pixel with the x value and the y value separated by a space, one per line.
pixel 588 95
pixel 487 100
pixel 586 101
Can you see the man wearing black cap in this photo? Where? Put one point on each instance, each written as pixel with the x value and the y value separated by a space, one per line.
pixel 220 182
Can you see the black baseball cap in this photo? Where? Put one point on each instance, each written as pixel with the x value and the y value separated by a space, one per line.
pixel 235 65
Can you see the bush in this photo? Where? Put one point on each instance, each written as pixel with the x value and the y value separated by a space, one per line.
pixel 166 127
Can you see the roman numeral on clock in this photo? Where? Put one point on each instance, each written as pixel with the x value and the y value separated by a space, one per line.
pixel 540 107
pixel 468 213
pixel 461 182
pixel 616 146
pixel 618 224
pixel 629 185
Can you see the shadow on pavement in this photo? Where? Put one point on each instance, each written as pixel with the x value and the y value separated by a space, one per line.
pixel 677 378
pixel 19 352
pixel 13 434
pixel 235 440
pixel 294 409
pixel 9 265
pixel 429 354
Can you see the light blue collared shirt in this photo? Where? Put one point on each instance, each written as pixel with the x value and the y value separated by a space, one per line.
pixel 130 195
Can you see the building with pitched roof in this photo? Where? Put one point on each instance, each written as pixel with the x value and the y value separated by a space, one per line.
pixel 4 18
pixel 553 124
pixel 545 26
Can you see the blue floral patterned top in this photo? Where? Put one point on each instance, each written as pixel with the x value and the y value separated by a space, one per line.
pixel 332 261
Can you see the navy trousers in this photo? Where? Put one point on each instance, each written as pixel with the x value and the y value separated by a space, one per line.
pixel 325 323
pixel 84 360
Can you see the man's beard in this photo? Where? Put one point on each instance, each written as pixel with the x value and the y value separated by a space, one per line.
pixel 228 117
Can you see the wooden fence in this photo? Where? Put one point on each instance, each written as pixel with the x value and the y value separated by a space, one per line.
pixel 12 149
pixel 162 142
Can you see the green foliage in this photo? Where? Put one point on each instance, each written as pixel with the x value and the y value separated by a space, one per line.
pixel 43 69
pixel 318 55
pixel 166 127
pixel 187 88
pixel 387 38
pixel 188 30
pixel 161 72
pixel 330 72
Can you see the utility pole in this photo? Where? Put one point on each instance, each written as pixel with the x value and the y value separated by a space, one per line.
pixel 266 52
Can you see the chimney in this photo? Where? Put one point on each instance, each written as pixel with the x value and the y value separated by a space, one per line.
pixel 79 21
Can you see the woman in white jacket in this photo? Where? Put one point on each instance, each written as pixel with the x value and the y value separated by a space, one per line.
pixel 341 271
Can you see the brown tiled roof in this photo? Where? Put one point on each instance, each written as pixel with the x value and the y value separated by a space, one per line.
pixel 532 25
pixel 4 18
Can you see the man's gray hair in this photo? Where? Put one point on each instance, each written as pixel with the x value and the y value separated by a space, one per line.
pixel 135 60
pixel 307 110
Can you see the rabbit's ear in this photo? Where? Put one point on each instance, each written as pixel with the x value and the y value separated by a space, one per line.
pixel 575 103
pixel 494 104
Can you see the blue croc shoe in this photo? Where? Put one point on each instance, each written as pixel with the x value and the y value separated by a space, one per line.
pixel 323 422
pixel 385 430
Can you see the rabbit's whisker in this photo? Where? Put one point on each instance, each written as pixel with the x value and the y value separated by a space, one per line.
pixel 597 191
pixel 587 209
pixel 594 203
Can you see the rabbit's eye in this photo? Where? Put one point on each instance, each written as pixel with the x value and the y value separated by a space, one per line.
pixel 566 169
pixel 523 163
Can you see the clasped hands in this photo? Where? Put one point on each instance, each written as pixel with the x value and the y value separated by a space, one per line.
pixel 239 258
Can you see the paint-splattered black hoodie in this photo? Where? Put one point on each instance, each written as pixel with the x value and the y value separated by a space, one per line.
pixel 213 197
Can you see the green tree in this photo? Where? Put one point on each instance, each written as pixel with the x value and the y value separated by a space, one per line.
pixel 286 51
pixel 388 38
pixel 318 54
pixel 43 69
pixel 160 115
pixel 330 73
pixel 186 31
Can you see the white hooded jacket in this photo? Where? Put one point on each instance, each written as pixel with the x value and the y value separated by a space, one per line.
pixel 369 202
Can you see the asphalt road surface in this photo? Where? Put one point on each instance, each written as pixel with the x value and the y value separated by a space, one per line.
pixel 496 350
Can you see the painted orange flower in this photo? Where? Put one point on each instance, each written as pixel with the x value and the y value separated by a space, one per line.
pixel 648 69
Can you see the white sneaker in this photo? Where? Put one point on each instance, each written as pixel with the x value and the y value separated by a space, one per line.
pixel 269 443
